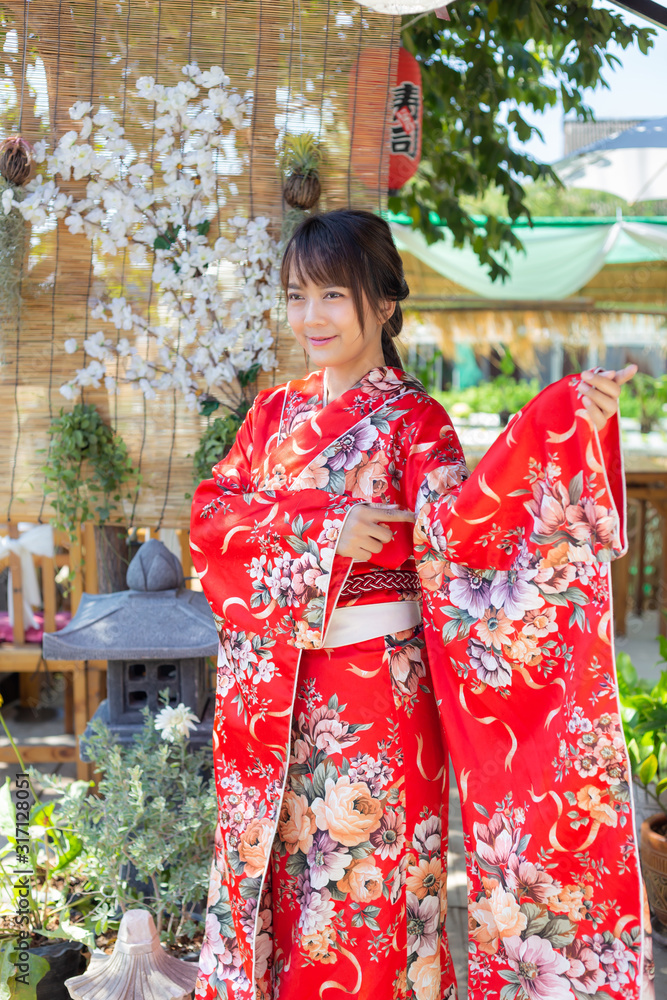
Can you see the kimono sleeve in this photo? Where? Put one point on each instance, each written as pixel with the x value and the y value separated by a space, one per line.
pixel 518 626
pixel 264 557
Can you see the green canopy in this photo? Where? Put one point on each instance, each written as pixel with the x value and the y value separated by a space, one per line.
pixel 560 257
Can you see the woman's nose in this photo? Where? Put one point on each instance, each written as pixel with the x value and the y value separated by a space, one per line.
pixel 312 314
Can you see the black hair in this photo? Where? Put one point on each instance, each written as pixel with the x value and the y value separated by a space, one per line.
pixel 353 249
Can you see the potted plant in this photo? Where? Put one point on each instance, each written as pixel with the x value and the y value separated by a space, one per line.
pixel 147 835
pixel 644 711
pixel 40 942
pixel 645 399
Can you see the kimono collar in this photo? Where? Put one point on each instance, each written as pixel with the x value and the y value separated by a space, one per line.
pixel 309 426
pixel 377 381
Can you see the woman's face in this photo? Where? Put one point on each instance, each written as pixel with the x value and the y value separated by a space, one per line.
pixel 326 325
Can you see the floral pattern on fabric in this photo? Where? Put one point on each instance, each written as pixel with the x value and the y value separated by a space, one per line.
pixel 515 584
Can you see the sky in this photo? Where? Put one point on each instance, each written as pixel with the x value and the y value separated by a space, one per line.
pixel 637 89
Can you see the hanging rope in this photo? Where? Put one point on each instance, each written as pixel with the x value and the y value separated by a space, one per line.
pixel 354 110
pixel 23 59
pixel 124 263
pixel 389 111
pixel 90 267
pixel 255 110
pixel 54 130
pixel 174 400
pixel 150 286
pixel 17 343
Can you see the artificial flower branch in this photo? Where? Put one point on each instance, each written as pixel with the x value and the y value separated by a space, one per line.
pixel 215 293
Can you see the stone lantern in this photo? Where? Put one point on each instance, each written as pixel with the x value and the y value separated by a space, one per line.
pixel 155 635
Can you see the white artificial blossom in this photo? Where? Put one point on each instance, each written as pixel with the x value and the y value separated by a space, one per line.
pixel 207 336
pixel 175 723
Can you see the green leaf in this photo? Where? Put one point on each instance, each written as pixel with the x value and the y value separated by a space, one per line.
pixel 336 484
pixel 576 487
pixel 578 617
pixel 662 641
pixel 648 769
pixel 208 407
pixel 7 946
pixel 361 850
pixel 536 918
pixel 250 887
pixel 296 863
pixel 38 968
pixel 323 772
pixel 161 243
pixel 204 227
pixel 560 932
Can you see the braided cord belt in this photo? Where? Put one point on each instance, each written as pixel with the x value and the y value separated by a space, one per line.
pixel 391 580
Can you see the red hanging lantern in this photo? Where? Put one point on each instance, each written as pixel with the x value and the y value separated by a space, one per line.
pixel 406 124
pixel 385 119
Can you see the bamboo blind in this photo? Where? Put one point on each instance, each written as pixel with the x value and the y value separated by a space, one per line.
pixel 296 61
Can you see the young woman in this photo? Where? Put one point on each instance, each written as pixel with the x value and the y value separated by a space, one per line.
pixel 380 611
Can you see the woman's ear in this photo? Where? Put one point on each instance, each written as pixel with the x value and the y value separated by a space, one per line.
pixel 387 310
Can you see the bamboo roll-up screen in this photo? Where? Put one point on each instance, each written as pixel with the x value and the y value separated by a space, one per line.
pixel 297 62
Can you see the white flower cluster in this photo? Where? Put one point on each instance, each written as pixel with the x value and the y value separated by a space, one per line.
pixel 164 209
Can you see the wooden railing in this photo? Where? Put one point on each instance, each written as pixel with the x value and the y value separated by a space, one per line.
pixel 85 681
pixel 644 568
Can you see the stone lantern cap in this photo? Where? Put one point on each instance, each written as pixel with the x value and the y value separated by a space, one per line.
pixel 157 617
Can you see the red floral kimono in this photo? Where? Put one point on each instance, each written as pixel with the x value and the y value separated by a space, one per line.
pixel 485 635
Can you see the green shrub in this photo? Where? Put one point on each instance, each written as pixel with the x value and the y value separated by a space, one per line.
pixel 644 713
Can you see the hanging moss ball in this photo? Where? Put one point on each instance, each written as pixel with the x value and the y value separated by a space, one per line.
pixel 15 160
pixel 302 190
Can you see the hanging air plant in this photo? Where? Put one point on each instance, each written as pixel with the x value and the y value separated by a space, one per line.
pixel 15 167
pixel 301 160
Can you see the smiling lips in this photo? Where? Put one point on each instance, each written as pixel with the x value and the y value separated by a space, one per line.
pixel 320 341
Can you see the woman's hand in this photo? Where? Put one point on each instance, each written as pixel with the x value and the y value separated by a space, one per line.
pixel 601 393
pixel 363 535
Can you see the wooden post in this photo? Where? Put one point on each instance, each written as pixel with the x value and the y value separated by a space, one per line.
pixel 17 590
pixel 186 555
pixel 620 583
pixel 97 684
pixel 75 565
pixel 30 685
pixel 49 592
pixel 80 711
pixel 69 702
pixel 641 560
pixel 90 576
pixel 112 557
pixel 662 590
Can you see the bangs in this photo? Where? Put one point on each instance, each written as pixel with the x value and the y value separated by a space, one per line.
pixel 319 253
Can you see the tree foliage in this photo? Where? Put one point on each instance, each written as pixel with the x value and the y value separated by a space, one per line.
pixel 480 71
